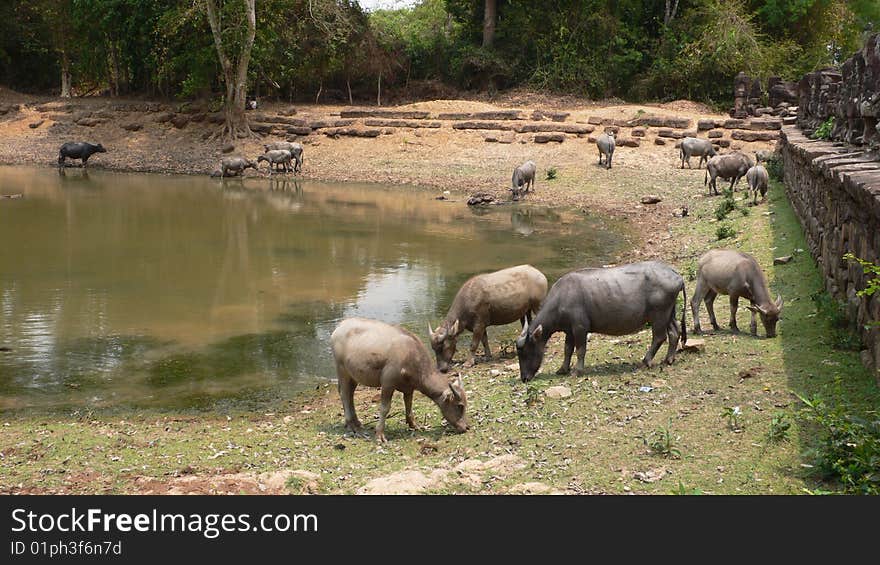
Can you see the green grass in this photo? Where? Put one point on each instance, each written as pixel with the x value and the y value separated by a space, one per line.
pixel 591 442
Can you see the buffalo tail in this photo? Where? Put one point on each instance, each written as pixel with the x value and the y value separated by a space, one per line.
pixel 684 309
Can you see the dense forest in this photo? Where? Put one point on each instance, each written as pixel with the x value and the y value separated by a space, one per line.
pixel 332 50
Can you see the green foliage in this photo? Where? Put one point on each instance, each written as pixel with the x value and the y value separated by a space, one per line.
pixel 779 426
pixel 849 444
pixel 725 231
pixel 551 173
pixel 726 206
pixel 873 283
pixel 681 490
pixel 732 415
pixel 774 167
pixel 689 270
pixel 662 442
pixel 841 331
pixel 824 130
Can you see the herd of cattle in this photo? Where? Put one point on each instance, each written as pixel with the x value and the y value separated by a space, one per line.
pixel 612 301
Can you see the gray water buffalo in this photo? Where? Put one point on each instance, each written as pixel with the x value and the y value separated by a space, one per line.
pixel 730 166
pixel 296 149
pixel 606 145
pixel 523 179
pixel 376 354
pixel 490 299
pixel 763 155
pixel 696 147
pixel 613 301
pixel 78 150
pixel 759 181
pixel 276 158
pixel 234 166
pixel 737 274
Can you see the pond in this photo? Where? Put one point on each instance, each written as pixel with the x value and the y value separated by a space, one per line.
pixel 178 291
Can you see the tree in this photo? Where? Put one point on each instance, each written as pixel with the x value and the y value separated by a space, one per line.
pixel 234 44
pixel 490 16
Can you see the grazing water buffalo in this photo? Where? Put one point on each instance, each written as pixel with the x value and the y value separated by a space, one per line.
pixel 78 150
pixel 276 157
pixel 490 299
pixel 376 354
pixel 606 144
pixel 731 166
pixel 696 147
pixel 296 149
pixel 737 274
pixel 613 301
pixel 758 180
pixel 523 179
pixel 234 166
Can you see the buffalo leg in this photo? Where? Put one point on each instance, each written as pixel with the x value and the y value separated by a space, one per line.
pixel 384 408
pixel 710 308
pixel 753 324
pixel 673 333
pixel 659 336
pixel 699 294
pixel 580 342
pixel 346 388
pixel 407 402
pixel 734 304
pixel 566 361
pixel 479 332
pixel 485 341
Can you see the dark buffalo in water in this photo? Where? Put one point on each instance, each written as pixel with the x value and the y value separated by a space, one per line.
pixel 613 301
pixel 78 150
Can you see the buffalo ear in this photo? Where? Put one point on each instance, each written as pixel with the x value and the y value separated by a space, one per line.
pixel 455 393
pixel 752 308
pixel 537 332
pixel 779 302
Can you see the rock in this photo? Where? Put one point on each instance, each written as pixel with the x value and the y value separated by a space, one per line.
pixel 715 134
pixel 650 476
pixel 90 122
pixel 480 198
pixel 550 128
pixel 133 126
pixel 548 137
pixel 35 125
pixel 378 122
pixel 628 142
pixel 651 199
pixel 638 132
pixel 723 142
pixel 782 260
pixel 352 132
pixel 694 344
pixel 659 141
pixel 670 134
pixel 180 121
pixel 198 117
pixel 163 117
pixel 754 135
pixel 403 482
pixel 228 148
pixel 533 488
pixel 703 125
pixel 557 392
pixel 374 113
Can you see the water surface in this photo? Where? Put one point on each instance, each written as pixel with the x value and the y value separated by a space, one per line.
pixel 169 291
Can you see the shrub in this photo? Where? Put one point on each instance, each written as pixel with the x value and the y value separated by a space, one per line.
pixel 551 173
pixel 725 231
pixel 774 167
pixel 841 331
pixel 824 131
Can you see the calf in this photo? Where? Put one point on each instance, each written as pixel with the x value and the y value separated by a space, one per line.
pixel 296 149
pixel 78 150
pixel 373 353
pixel 276 157
pixel 234 166
pixel 606 145
pixel 490 299
pixel 613 301
pixel 523 179
pixel 737 274
pixel 759 181
pixel 696 147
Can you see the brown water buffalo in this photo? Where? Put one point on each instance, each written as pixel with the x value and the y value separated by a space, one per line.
pixel 373 353
pixel 490 299
pixel 737 274
pixel 731 166
pixel 613 301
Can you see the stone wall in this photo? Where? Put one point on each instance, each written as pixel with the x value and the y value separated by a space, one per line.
pixel 834 185
pixel 850 94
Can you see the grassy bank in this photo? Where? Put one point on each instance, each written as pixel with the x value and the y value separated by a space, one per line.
pixel 609 436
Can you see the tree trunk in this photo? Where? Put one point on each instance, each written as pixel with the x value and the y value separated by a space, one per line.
pixel 234 72
pixel 348 84
pixel 379 91
pixel 490 16
pixel 114 69
pixel 65 75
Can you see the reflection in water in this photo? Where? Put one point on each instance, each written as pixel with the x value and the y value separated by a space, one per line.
pixel 169 291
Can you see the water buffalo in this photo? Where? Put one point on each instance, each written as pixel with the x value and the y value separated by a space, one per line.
pixel 376 354
pixel 731 166
pixel 78 150
pixel 613 301
pixel 737 274
pixel 606 144
pixel 759 181
pixel 234 166
pixel 490 299
pixel 523 179
pixel 296 149
pixel 696 147
pixel 275 158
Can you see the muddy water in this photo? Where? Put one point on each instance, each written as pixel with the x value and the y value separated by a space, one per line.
pixel 170 291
